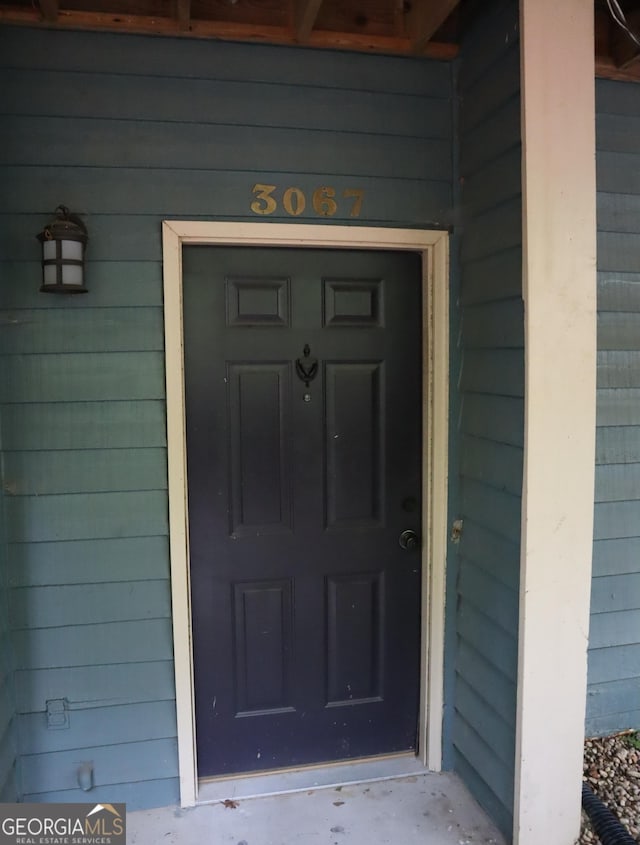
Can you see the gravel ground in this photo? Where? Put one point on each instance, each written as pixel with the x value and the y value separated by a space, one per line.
pixel 612 770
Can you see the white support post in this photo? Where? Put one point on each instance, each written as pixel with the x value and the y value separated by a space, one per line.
pixel 559 285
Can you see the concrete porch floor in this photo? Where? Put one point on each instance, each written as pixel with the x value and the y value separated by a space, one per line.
pixel 416 809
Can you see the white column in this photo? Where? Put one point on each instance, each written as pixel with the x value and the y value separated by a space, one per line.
pixel 559 287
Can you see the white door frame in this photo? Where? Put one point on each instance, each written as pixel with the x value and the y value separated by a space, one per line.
pixel 434 246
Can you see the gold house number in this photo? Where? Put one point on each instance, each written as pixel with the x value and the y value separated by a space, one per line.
pixel 294 201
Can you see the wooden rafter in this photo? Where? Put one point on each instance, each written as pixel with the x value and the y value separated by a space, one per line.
pixel 624 51
pixel 49 10
pixel 183 14
pixel 614 60
pixel 224 30
pixel 425 18
pixel 305 15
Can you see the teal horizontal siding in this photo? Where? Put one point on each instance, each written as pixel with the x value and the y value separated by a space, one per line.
pixel 616 557
pixel 224 102
pixel 88 561
pixel 617 172
pixel 496 774
pixel 57 770
pixel 484 720
pixel 497 372
pixel 615 628
pixel 614 636
pixel 84 471
pixel 615 593
pixel 114 284
pixel 8 786
pixel 619 369
pixel 491 423
pixel 118 724
pixel 490 638
pixel 617 250
pixel 89 686
pixel 158 194
pixel 493 277
pixel 139 795
pixel 175 58
pixel 609 724
pixel 496 134
pixel 88 604
pixel 77 330
pixel 9 790
pixel 495 464
pixel 612 704
pixel 65 377
pixel 491 552
pixel 490 597
pixel 618 212
pixel 494 509
pixel 84 516
pixel 175 131
pixel 615 443
pixel 494 325
pixel 616 519
pixel 100 424
pixel 498 228
pixel 617 482
pixel 93 644
pixel 618 331
pixel 111 144
pixel 618 291
pixel 483 792
pixel 498 418
pixel 615 663
pixel 489 682
pixel 7 703
pixel 496 183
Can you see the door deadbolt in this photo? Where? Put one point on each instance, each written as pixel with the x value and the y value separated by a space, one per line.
pixel 409 540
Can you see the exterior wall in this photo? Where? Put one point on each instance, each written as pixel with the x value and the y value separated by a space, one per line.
pixel 127 131
pixel 613 699
pixel 491 420
pixel 8 779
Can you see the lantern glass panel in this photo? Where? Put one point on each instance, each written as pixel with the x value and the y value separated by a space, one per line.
pixel 50 274
pixel 71 274
pixel 48 249
pixel 72 250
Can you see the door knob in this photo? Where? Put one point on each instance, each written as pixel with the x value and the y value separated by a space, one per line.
pixel 409 540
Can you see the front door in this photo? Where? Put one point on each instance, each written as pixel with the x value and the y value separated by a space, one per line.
pixel 303 408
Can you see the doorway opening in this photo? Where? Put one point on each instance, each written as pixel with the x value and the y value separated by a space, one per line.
pixel 351 653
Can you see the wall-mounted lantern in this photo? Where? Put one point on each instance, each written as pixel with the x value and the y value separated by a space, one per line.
pixel 63 245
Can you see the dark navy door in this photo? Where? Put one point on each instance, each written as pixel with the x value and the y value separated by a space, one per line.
pixel 303 408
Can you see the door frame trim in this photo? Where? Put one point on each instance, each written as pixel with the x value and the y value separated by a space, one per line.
pixel 434 246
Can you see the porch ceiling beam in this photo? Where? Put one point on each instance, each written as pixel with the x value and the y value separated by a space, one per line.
pixel 426 18
pixel 183 14
pixel 305 16
pixel 49 10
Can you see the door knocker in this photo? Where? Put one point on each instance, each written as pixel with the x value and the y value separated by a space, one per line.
pixel 307 367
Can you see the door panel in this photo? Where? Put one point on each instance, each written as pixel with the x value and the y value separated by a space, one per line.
pixel 306 614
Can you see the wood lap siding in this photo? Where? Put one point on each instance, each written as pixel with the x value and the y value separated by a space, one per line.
pixel 8 755
pixel 126 131
pixel 613 699
pixel 492 414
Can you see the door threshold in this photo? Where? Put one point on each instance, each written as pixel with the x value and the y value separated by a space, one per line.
pixel 321 776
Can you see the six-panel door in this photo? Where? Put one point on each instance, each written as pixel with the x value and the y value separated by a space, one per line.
pixel 303 407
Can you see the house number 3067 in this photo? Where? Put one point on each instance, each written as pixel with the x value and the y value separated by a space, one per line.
pixel 294 201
